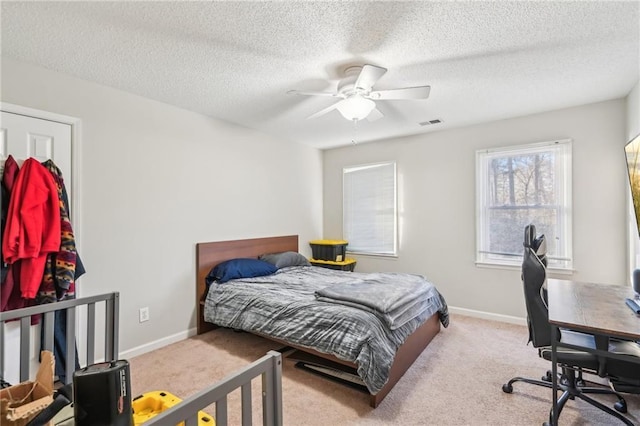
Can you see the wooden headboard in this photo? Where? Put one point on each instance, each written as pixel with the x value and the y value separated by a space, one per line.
pixel 210 254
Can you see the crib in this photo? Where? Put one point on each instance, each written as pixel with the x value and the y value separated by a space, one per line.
pixel 269 367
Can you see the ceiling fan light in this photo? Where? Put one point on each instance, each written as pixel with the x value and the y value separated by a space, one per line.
pixel 356 107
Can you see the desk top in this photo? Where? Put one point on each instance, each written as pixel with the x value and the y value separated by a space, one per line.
pixel 593 308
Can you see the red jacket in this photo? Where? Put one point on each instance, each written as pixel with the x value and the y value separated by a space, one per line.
pixel 33 224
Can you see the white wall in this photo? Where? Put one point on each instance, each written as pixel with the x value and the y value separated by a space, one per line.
pixel 437 202
pixel 633 112
pixel 155 180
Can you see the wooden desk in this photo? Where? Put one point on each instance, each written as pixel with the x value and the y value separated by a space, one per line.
pixel 596 309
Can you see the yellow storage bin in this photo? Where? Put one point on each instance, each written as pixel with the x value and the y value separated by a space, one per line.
pixel 150 404
pixel 332 250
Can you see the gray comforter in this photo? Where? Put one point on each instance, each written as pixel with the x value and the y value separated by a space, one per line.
pixel 396 298
pixel 284 306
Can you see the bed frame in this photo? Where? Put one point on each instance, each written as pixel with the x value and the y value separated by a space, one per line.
pixel 210 254
pixel 268 367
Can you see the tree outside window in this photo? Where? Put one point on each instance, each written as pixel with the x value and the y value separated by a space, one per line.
pixel 524 185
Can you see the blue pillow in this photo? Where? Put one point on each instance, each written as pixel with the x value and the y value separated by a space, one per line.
pixel 239 268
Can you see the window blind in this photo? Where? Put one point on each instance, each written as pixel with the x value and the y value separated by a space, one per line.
pixel 369 208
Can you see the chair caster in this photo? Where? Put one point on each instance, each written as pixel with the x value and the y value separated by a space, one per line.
pixel 621 406
pixel 507 388
pixel 547 377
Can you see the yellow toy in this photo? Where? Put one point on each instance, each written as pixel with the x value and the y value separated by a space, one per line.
pixel 149 404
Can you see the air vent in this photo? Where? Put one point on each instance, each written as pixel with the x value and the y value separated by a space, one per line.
pixel 430 122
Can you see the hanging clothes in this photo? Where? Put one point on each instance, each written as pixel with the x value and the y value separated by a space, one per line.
pixel 10 295
pixel 35 194
pixel 60 269
pixel 33 225
pixel 9 175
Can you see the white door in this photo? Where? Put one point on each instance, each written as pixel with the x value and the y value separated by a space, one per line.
pixel 23 137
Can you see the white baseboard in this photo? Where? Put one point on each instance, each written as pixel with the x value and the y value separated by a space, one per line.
pixel 157 344
pixel 488 315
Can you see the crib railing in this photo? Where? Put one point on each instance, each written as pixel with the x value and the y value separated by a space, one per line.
pixel 48 311
pixel 269 367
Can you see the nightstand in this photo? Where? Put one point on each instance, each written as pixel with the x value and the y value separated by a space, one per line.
pixel 345 265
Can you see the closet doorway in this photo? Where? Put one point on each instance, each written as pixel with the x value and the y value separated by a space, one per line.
pixel 24 133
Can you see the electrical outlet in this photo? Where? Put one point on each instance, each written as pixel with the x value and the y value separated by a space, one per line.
pixel 144 314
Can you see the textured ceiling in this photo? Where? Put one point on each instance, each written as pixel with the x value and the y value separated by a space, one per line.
pixel 235 61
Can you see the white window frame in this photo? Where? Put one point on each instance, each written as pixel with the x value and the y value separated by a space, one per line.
pixel 352 247
pixel 562 260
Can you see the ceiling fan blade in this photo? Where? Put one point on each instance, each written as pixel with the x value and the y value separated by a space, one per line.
pixel 420 92
pixel 298 92
pixel 374 115
pixel 324 111
pixel 368 77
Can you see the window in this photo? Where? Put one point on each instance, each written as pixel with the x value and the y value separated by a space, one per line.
pixel 369 208
pixel 517 186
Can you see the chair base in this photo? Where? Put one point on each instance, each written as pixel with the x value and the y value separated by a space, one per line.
pixel 575 386
pixel 544 381
pixel 572 393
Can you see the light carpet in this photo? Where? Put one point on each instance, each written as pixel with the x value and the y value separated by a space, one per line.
pixel 457 380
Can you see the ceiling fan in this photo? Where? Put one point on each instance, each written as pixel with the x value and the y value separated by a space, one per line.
pixel 358 97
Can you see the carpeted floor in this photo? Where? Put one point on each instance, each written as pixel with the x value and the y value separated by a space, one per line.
pixel 456 381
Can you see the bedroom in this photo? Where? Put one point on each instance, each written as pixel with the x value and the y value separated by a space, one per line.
pixel 154 179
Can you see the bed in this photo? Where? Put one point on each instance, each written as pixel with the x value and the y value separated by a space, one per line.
pixel 413 342
pixel 269 367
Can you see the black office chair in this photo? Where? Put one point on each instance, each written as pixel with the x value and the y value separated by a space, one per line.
pixel 572 363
